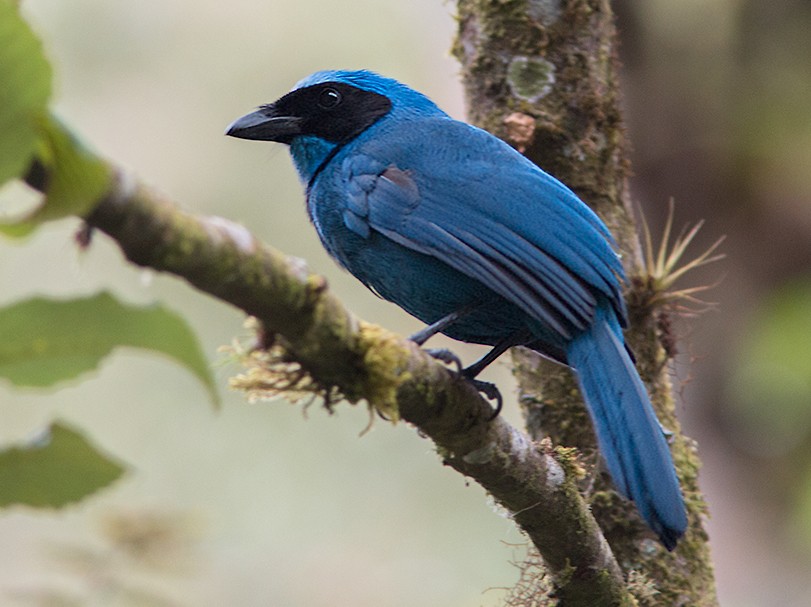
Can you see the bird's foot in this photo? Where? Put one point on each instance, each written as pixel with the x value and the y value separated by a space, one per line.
pixel 489 390
pixel 446 356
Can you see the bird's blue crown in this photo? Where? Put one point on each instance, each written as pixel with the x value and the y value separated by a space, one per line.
pixel 405 100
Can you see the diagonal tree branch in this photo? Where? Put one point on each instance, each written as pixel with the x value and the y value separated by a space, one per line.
pixel 534 482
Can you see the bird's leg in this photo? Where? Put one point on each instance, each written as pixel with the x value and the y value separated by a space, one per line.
pixel 500 348
pixel 490 390
pixel 420 337
pixel 443 354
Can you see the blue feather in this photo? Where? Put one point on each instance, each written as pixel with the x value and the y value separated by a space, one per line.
pixel 439 216
pixel 628 432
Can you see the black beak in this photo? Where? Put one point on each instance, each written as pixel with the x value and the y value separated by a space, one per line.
pixel 265 124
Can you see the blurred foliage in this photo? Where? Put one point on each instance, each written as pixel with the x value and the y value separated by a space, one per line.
pixel 74 178
pixel 720 108
pixel 57 467
pixel 137 549
pixel 772 374
pixel 25 75
pixel 46 341
pixel 718 98
pixel 798 532
pixel 772 114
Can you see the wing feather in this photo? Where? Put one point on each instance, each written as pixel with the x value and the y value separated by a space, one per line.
pixel 494 217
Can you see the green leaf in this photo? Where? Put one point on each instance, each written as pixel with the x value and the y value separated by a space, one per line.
pixel 54 469
pixel 25 86
pixel 46 341
pixel 76 179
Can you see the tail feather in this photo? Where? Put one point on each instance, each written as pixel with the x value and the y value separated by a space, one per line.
pixel 628 433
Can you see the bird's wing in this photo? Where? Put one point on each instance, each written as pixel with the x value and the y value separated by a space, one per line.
pixel 454 192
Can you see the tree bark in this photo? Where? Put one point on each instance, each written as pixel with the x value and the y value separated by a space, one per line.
pixel 542 74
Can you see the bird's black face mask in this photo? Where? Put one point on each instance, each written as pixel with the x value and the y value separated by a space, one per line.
pixel 333 111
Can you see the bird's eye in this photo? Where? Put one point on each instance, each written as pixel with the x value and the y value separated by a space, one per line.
pixel 329 98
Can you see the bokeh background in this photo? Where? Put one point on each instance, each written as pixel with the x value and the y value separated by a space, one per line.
pixel 258 504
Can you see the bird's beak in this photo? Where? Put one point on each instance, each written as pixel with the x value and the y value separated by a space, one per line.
pixel 265 124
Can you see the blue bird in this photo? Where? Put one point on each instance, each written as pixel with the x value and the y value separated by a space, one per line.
pixel 464 233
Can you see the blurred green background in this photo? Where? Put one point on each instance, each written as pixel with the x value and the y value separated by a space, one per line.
pixel 258 505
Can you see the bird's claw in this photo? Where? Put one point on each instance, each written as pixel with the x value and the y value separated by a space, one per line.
pixel 490 391
pixel 446 356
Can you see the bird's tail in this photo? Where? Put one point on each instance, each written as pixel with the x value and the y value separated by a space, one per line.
pixel 628 433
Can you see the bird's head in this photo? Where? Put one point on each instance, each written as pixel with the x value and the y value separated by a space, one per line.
pixel 328 109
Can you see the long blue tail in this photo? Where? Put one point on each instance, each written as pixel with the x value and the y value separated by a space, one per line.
pixel 628 433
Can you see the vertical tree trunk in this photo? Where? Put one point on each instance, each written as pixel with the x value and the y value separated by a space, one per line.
pixel 542 74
